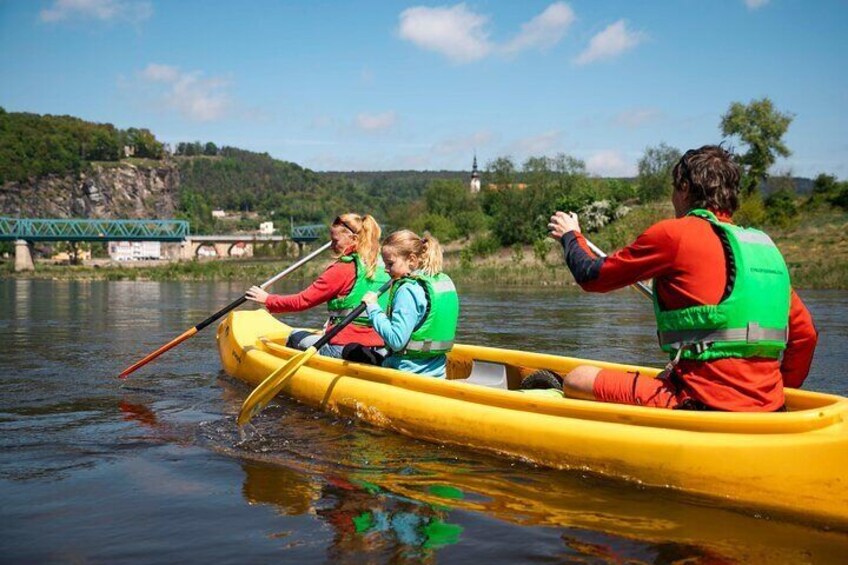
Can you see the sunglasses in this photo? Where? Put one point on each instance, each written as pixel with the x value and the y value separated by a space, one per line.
pixel 339 222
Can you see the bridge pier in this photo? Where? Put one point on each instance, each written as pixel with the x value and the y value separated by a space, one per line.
pixel 23 256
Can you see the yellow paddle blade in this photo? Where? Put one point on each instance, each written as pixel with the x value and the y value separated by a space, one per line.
pixel 271 386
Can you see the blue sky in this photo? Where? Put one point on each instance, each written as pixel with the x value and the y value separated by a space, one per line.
pixel 373 85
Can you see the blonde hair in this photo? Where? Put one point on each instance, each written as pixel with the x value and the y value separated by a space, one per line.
pixel 367 232
pixel 426 250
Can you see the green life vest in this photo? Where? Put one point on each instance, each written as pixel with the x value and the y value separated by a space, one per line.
pixel 434 335
pixel 341 306
pixel 753 317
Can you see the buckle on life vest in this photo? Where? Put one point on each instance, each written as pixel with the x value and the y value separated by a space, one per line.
pixel 698 347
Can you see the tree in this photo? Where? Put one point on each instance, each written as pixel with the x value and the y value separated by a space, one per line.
pixel 210 149
pixel 145 143
pixel 825 185
pixel 502 172
pixel 655 166
pixel 761 127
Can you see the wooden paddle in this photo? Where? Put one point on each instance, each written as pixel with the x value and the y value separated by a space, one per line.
pixel 640 286
pixel 271 386
pixel 232 306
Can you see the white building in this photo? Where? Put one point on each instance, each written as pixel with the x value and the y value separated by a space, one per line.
pixel 219 214
pixel 266 228
pixel 134 250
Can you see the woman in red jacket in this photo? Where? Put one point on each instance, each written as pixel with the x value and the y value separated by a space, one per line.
pixel 356 271
pixel 736 332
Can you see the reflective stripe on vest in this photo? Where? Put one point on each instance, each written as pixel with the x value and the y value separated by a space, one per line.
pixel 753 333
pixel 434 334
pixel 428 346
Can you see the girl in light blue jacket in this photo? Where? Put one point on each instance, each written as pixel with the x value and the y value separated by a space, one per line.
pixel 420 322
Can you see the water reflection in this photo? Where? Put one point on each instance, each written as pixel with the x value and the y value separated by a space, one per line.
pixel 365 520
pixel 422 507
pixel 95 469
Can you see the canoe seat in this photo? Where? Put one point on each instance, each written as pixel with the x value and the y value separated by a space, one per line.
pixel 488 374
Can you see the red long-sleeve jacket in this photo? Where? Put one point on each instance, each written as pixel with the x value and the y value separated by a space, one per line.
pixel 336 280
pixel 687 261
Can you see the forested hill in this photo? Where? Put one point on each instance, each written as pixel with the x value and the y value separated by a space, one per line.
pixel 62 165
pixel 34 147
pixel 241 180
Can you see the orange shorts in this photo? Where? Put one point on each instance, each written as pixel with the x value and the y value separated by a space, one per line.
pixel 630 387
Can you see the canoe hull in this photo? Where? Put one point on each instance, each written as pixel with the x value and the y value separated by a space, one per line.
pixel 788 463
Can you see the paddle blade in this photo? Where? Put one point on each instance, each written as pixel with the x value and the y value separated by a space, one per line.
pixel 150 357
pixel 271 386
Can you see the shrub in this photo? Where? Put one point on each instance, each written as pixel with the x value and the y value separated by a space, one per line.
pixel 596 215
pixel 751 212
pixel 517 253
pixel 483 246
pixel 441 227
pixel 541 247
pixel 781 209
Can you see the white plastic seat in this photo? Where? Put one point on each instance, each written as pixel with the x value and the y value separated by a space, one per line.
pixel 487 374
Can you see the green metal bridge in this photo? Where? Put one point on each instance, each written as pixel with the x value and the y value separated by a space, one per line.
pixel 92 230
pixel 119 230
pixel 312 232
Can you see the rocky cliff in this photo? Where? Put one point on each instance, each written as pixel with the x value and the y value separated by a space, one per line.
pixel 119 190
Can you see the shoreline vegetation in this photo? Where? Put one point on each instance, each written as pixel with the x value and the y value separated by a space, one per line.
pixel 815 248
pixel 493 227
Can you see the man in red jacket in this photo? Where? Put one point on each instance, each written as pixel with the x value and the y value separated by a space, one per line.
pixel 724 308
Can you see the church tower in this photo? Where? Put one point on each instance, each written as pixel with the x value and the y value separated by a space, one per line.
pixel 475 177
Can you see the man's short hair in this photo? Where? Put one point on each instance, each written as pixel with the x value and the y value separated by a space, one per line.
pixel 712 177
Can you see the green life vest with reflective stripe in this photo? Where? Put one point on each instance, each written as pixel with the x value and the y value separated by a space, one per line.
pixel 752 320
pixel 434 335
pixel 341 306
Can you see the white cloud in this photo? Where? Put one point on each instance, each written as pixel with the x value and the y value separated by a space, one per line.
pixel 198 99
pixel 543 31
pixel 754 4
pixel 637 117
pixel 463 145
pixel 376 122
pixel 461 35
pixel 536 145
pixel 611 42
pixel 103 10
pixel 610 163
pixel 160 73
pixel 455 32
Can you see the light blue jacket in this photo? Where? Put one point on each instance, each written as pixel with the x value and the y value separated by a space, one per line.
pixel 408 309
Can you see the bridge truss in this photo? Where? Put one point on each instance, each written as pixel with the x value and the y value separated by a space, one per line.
pixel 92 230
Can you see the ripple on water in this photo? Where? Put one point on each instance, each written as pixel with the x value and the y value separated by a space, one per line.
pixel 96 469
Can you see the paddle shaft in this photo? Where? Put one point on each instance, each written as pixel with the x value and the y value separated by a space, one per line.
pixel 355 313
pixel 640 286
pixel 217 315
pixel 243 298
pixel 273 383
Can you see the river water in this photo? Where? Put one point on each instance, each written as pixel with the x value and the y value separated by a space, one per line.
pixel 153 469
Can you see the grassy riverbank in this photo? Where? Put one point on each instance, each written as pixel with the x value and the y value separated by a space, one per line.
pixel 815 247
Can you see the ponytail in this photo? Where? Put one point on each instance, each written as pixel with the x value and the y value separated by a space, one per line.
pixel 425 249
pixel 368 243
pixel 367 232
pixel 431 256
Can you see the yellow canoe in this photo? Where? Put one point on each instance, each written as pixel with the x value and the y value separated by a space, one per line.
pixel 793 463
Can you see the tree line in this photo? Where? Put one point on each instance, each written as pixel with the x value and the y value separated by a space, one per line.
pixel 512 208
pixel 32 145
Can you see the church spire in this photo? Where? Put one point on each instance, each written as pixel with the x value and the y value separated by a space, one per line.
pixel 475 177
